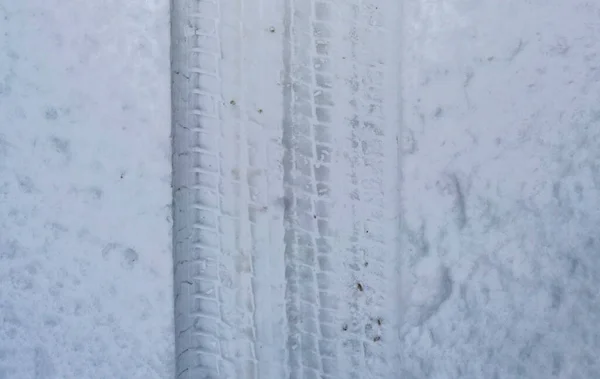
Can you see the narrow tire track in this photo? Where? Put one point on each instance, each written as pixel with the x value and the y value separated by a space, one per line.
pixel 225 164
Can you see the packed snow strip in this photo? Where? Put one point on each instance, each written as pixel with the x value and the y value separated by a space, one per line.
pixel 384 189
pixel 85 230
pixel 286 188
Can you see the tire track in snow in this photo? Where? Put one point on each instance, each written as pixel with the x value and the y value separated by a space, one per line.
pixel 243 309
pixel 199 324
pixel 264 177
pixel 311 302
pixel 220 195
pixel 368 91
pixel 237 295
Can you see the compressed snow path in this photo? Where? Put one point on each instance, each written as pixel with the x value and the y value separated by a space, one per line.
pixel 85 230
pixel 386 189
pixel 369 189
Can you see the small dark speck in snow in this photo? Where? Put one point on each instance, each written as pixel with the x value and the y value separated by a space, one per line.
pixel 377 338
pixel 360 287
pixel 51 114
pixel 232 102
pixel 344 327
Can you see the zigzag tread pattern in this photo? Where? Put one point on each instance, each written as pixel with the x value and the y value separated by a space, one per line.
pixel 310 293
pixel 213 196
pixel 223 222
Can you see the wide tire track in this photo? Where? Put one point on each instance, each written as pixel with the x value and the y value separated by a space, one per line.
pixel 286 188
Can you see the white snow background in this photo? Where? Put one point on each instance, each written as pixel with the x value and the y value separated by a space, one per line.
pixel 492 271
pixel 85 220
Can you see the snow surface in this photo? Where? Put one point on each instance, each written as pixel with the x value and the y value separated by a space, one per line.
pixel 501 187
pixel 386 189
pixel 362 189
pixel 85 246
